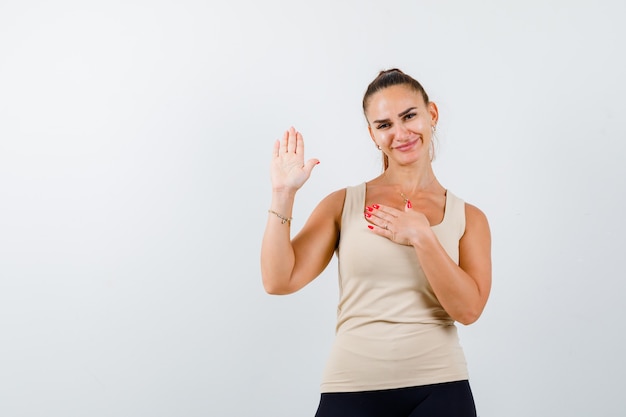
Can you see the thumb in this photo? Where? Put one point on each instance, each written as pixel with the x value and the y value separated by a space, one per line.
pixel 310 164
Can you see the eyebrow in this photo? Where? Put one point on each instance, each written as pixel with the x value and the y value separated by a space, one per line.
pixel 399 115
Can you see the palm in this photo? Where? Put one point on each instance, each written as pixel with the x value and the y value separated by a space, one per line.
pixel 289 170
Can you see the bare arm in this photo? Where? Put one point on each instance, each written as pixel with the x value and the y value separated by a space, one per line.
pixel 461 289
pixel 288 265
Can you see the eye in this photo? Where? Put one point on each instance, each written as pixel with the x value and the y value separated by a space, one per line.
pixel 409 116
pixel 382 126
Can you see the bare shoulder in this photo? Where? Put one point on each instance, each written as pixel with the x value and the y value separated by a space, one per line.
pixel 475 216
pixel 477 229
pixel 337 196
pixel 332 204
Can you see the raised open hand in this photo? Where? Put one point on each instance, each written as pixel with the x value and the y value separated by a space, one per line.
pixel 288 169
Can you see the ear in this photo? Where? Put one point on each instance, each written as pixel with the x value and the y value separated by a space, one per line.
pixel 434 113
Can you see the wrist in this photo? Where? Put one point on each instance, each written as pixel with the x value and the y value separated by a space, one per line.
pixel 283 218
pixel 422 240
pixel 282 197
pixel 284 190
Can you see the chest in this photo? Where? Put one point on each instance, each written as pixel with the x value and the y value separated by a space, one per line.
pixel 432 205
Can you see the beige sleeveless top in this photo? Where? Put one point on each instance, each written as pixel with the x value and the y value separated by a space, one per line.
pixel 391 330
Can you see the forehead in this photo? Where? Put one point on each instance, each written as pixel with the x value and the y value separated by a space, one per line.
pixel 394 99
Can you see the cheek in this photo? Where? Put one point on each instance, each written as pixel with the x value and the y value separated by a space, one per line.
pixel 420 124
pixel 383 137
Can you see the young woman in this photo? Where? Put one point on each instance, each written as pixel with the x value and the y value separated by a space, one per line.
pixel 413 260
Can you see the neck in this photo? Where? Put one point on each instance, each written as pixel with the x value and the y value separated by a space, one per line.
pixel 410 181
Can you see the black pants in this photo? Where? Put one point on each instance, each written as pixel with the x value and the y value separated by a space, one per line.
pixel 449 399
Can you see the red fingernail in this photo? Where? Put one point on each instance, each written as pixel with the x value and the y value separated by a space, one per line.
pixel 369 226
pixel 368 215
pixel 408 203
pixel 376 206
pixel 369 208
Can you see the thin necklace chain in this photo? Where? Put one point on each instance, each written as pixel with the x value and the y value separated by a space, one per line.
pixel 404 197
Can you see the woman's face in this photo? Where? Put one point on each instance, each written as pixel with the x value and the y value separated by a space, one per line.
pixel 400 123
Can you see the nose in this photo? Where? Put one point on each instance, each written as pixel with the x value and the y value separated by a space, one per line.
pixel 401 131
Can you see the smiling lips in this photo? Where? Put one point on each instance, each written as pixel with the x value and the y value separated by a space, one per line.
pixel 406 146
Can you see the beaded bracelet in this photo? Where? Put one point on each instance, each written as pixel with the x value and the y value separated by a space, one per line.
pixel 282 218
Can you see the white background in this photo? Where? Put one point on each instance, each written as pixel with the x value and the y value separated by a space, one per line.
pixel 135 139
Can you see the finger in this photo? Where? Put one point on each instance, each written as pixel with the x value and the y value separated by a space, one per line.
pixel 299 144
pixel 386 215
pixel 283 143
pixel 310 164
pixel 380 220
pixel 381 231
pixel 291 140
pixel 386 210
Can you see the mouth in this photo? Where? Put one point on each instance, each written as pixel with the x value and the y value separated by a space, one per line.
pixel 407 146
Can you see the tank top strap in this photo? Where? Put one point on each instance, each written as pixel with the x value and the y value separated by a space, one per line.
pixel 353 205
pixel 454 216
